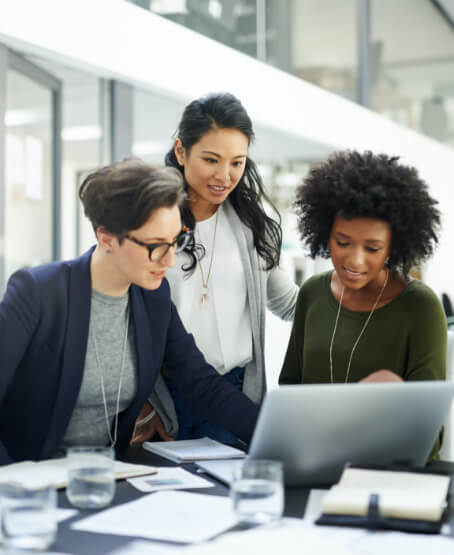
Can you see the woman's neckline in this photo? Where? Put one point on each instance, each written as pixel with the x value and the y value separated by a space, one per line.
pixel 350 310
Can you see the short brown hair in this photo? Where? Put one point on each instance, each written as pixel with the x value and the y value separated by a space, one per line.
pixel 121 197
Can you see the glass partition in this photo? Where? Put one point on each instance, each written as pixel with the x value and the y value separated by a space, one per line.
pixel 28 173
pixel 413 70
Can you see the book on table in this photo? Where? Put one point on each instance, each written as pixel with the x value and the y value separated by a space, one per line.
pixel 190 450
pixel 54 471
pixel 390 499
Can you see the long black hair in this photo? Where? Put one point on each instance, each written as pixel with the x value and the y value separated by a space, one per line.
pixel 225 111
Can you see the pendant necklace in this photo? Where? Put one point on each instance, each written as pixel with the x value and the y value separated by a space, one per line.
pixel 360 333
pixel 204 296
pixel 113 439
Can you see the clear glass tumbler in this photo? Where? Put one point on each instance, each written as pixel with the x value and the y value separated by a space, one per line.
pixel 257 491
pixel 28 516
pixel 91 478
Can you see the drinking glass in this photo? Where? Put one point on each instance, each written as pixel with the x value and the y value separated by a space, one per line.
pixel 257 491
pixel 28 516
pixel 91 477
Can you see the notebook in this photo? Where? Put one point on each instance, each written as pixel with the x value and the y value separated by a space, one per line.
pixel 316 429
pixel 391 499
pixel 55 471
pixel 190 450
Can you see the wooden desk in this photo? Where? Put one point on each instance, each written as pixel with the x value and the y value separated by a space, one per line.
pixel 86 543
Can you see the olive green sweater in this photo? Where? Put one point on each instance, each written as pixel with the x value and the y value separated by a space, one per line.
pixel 406 336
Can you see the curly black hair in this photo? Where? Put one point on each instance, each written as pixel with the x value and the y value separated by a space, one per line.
pixel 351 184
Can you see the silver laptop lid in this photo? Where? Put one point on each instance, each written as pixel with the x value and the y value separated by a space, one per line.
pixel 316 429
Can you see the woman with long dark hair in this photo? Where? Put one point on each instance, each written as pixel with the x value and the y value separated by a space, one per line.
pixel 223 286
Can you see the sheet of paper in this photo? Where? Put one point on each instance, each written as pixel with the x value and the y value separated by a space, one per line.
pixel 142 547
pixel 389 479
pixel 398 543
pixel 167 478
pixel 64 514
pixel 54 471
pixel 314 504
pixel 290 537
pixel 33 474
pixel 128 470
pixel 401 494
pixel 165 515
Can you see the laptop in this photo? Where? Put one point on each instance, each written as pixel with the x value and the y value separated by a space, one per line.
pixel 317 429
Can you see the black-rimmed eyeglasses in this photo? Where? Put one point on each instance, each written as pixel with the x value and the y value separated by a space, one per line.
pixel 157 251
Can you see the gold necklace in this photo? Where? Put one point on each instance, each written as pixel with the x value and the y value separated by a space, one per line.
pixel 360 333
pixel 204 297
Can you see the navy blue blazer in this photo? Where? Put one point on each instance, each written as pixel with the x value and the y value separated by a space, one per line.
pixel 44 317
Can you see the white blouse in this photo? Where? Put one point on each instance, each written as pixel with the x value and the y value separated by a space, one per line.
pixel 221 326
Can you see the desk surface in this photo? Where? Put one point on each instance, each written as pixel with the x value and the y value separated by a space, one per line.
pixel 86 543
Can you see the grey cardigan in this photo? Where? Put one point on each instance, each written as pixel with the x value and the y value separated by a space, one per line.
pixel 272 289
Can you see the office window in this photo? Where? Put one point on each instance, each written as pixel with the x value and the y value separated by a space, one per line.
pixel 413 69
pixel 28 173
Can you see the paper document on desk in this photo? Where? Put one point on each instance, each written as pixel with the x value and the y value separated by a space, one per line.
pixel 166 515
pixel 169 478
pixel 54 471
pixel 288 536
pixel 144 547
pixel 407 495
pixel 190 450
pixel 398 543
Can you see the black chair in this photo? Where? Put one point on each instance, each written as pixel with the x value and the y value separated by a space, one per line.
pixel 446 302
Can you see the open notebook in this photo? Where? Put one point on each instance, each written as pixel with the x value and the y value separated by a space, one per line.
pixel 54 471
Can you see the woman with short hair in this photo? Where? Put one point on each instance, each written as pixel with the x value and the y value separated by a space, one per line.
pixel 84 340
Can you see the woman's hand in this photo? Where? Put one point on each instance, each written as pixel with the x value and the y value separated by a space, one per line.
pixel 148 423
pixel 381 376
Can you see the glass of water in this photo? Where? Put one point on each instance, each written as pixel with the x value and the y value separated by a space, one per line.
pixel 257 491
pixel 28 516
pixel 91 478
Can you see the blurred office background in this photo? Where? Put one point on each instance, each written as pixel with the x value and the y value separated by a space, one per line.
pixel 87 82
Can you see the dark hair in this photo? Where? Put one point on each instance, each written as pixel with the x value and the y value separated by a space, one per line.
pixel 354 185
pixel 225 111
pixel 120 197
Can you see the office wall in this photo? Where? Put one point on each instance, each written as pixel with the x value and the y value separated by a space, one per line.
pixel 294 120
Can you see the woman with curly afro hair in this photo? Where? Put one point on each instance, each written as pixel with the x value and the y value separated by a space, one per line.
pixel 366 320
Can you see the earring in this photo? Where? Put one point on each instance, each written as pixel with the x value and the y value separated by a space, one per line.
pixel 108 251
